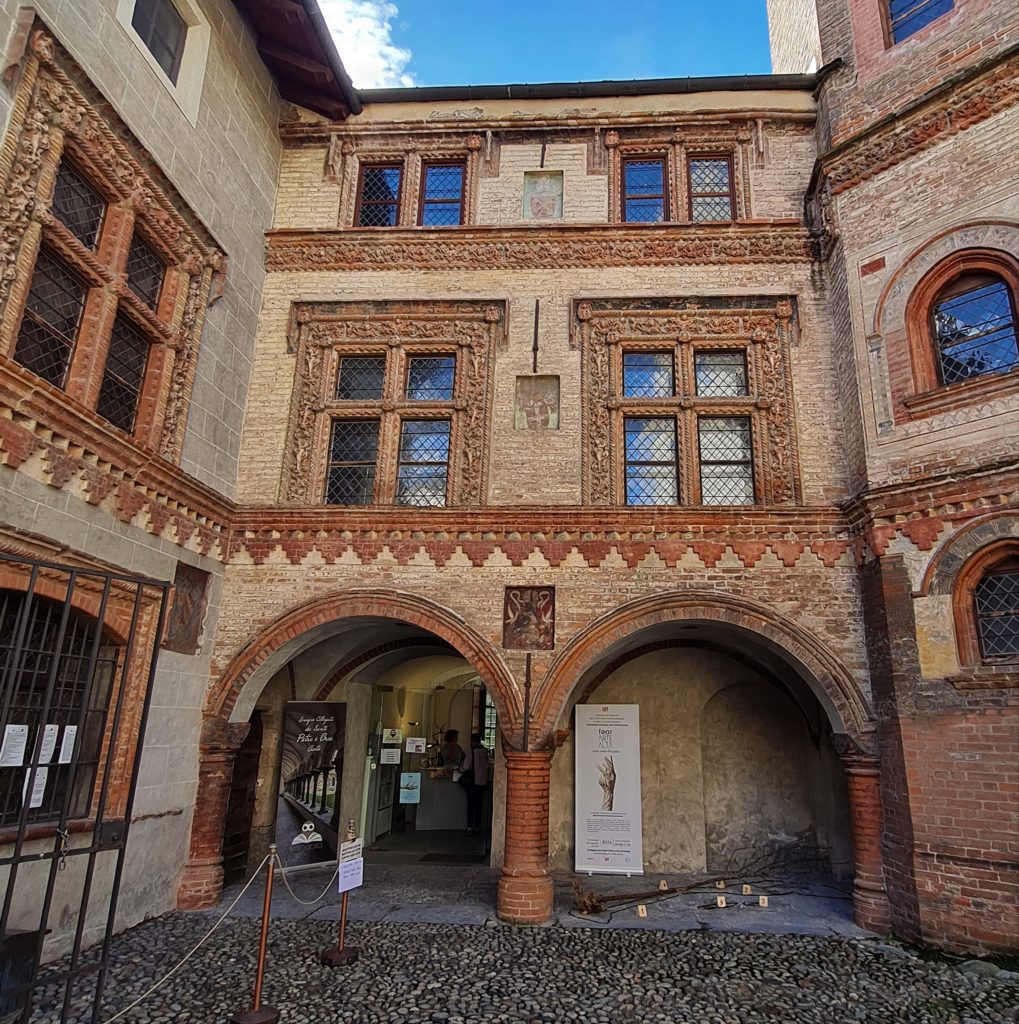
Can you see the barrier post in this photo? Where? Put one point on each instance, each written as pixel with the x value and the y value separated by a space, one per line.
pixel 351 869
pixel 259 1014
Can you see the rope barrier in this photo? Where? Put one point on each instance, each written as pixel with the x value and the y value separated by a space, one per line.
pixel 318 899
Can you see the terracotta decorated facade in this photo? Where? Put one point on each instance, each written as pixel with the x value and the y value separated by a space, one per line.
pixel 699 396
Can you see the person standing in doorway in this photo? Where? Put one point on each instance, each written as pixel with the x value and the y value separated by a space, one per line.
pixel 476 762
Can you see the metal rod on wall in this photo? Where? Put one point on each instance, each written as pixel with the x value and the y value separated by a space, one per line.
pixel 534 343
pixel 527 701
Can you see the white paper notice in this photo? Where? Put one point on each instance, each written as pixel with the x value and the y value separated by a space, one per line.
pixel 49 743
pixel 12 753
pixel 351 875
pixel 67 744
pixel 608 820
pixel 389 755
pixel 352 850
pixel 38 787
pixel 416 744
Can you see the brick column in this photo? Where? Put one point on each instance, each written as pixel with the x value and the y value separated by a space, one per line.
pixel 525 888
pixel 870 900
pixel 202 881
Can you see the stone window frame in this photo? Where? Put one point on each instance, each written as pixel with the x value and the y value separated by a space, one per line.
pixel 59 115
pixel 921 393
pixel 321 333
pixel 983 562
pixel 689 157
pixel 762 327
pixel 677 146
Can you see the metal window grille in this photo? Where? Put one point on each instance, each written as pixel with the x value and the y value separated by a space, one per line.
pixel 361 378
pixel 710 189
pixel 442 195
pixel 726 459
pixel 145 272
pixel 77 205
pixel 424 463
pixel 49 327
pixel 72 720
pixel 123 374
pixel 997 608
pixel 650 461
pixel 488 723
pixel 648 375
pixel 720 374
pixel 906 17
pixel 976 332
pixel 430 378
pixel 644 190
pixel 378 204
pixel 353 450
pixel 163 31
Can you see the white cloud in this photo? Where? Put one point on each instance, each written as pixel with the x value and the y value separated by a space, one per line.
pixel 363 30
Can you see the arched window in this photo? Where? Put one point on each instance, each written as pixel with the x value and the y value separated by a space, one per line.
pixel 973 321
pixel 996 611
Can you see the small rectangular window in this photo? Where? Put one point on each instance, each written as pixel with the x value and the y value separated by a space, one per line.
pixel 720 374
pixel 144 272
pixel 49 327
pixel 123 374
pixel 378 196
pixel 430 378
pixel 163 31
pixel 361 378
pixel 648 375
pixel 906 17
pixel 442 195
pixel 644 191
pixel 77 205
pixel 353 450
pixel 424 463
pixel 710 188
pixel 650 460
pixel 727 471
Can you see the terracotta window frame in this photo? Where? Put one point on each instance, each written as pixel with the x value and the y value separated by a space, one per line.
pixel 723 157
pixel 989 559
pixel 665 195
pixel 927 395
pixel 379 165
pixel 423 199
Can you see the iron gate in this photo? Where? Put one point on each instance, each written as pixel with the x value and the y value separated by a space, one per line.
pixel 78 652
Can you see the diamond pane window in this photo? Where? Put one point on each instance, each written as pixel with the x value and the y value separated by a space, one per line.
pixel 975 330
pixel 997 607
pixel 49 327
pixel 123 375
pixel 727 472
pixel 353 450
pixel 430 378
pixel 720 374
pixel 144 272
pixel 442 195
pixel 710 189
pixel 908 16
pixel 424 463
pixel 163 31
pixel 644 190
pixel 647 375
pixel 650 461
pixel 378 201
pixel 77 205
pixel 361 378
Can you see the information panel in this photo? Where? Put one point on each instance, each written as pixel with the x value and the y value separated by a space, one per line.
pixel 608 819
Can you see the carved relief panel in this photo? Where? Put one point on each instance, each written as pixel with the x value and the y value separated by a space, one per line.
pixel 322 334
pixel 529 618
pixel 685 331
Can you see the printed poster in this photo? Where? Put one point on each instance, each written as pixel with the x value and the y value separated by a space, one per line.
pixel 608 816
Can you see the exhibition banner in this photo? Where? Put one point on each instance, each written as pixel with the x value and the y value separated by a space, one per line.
pixel 608 819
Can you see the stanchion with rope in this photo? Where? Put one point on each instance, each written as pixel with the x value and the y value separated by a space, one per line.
pixel 350 870
pixel 259 1014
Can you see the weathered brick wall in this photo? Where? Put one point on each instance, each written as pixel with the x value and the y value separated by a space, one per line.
pixel 795 42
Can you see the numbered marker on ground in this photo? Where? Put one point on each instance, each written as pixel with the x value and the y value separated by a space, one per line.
pixel 762 901
pixel 641 910
pixel 720 902
pixel 747 890
pixel 720 884
pixel 663 886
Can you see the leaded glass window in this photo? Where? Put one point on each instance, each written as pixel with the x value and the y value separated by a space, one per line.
pixel 644 190
pixel 442 195
pixel 424 463
pixel 378 200
pixel 163 31
pixel 997 609
pixel 710 188
pixel 77 205
pixel 908 16
pixel 123 374
pixel 361 378
pixel 974 324
pixel 720 374
pixel 144 271
pixel 353 451
pixel 650 461
pixel 726 460
pixel 648 375
pixel 430 378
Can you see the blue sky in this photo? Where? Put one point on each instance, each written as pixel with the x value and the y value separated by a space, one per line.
pixel 453 42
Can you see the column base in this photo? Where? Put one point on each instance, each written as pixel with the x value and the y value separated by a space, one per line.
pixel 525 899
pixel 201 886
pixel 870 907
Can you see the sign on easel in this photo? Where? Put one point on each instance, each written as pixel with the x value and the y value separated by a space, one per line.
pixel 351 865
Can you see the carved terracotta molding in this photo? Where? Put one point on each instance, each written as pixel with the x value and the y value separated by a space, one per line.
pixel 761 328
pixel 528 248
pixel 322 332
pixel 56 108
